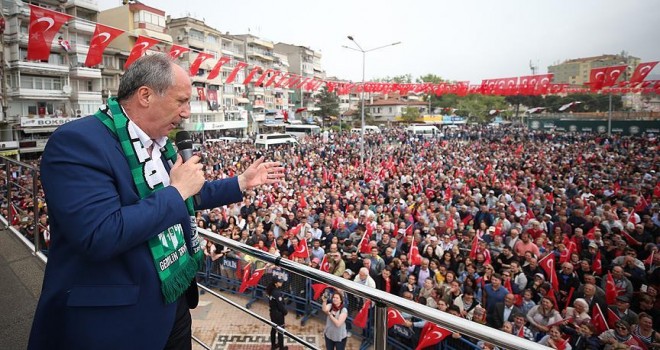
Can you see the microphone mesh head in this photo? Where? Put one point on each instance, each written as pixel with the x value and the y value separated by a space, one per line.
pixel 183 140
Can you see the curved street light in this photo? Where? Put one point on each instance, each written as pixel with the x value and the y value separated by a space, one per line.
pixel 364 53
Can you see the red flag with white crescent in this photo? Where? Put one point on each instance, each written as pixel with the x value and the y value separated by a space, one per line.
pixel 142 44
pixel 232 76
pixel 318 289
pixel 413 256
pixel 245 276
pixel 176 51
pixel 431 334
pixel 612 75
pixel 597 78
pixel 364 243
pixel 215 71
pixel 325 265
pixel 394 317
pixel 597 264
pixel 302 251
pixel 610 290
pixel 44 25
pixel 252 279
pixel 103 35
pixel 201 57
pixel 547 263
pixel 362 316
pixel 641 71
pixel 598 319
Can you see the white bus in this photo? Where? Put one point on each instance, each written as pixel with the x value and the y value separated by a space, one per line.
pixel 423 130
pixel 301 130
pixel 368 129
pixel 265 141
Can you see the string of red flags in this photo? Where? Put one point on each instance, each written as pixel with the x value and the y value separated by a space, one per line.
pixel 45 25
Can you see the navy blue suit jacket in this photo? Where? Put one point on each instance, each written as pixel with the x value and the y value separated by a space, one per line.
pixel 101 289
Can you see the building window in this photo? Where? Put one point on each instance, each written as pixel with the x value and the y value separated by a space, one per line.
pixel 196 34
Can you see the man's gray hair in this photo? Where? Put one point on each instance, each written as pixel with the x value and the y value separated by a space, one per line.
pixel 154 71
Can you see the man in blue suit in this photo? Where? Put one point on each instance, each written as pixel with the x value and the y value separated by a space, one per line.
pixel 123 250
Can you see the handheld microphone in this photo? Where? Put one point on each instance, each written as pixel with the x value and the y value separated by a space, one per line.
pixel 184 144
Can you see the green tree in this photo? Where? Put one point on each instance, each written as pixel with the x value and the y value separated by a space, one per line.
pixel 410 114
pixel 357 117
pixel 477 107
pixel 430 78
pixel 328 104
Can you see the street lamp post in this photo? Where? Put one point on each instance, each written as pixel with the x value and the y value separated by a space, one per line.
pixel 364 55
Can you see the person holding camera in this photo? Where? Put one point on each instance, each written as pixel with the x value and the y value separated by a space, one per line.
pixel 277 312
pixel 335 325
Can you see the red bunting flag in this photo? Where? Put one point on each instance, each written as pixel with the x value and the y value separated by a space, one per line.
pixel 475 247
pixel 394 317
pixel 641 71
pixel 251 75
pixel 141 45
pixel 610 290
pixel 232 75
pixel 431 335
pixel 15 218
pixel 44 25
pixel 362 316
pixel 597 78
pixel 630 238
pixel 103 35
pixel 649 261
pixel 598 319
pixel 252 279
pixel 201 57
pixel 176 51
pixel 547 263
pixel 409 230
pixel 561 345
pixel 216 69
pixel 612 75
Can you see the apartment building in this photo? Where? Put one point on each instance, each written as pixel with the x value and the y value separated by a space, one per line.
pixel 576 71
pixel 306 63
pixel 41 95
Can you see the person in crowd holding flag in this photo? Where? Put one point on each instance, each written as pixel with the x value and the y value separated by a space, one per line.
pixel 503 312
pixel 578 314
pixel 277 310
pixel 335 332
pixel 543 315
pixel 583 337
pixel 621 283
pixel 622 310
pixel 618 337
pixel 114 231
pixel 519 327
pixel 554 339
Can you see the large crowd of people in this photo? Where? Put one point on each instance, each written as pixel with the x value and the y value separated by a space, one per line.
pixel 486 208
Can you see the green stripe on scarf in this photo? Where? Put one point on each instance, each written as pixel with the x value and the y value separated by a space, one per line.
pixel 175 264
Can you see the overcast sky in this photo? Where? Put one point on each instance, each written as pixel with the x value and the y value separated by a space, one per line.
pixel 455 39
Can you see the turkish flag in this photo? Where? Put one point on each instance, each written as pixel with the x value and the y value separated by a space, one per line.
pixel 629 238
pixel 103 35
pixel 543 84
pixel 413 256
pixel 597 264
pixel 141 45
pixel 394 317
pixel 409 230
pixel 612 317
pixel 598 319
pixel 318 289
pixel 597 78
pixel 547 263
pixel 15 218
pixel 176 51
pixel 610 290
pixel 245 275
pixel 521 331
pixel 201 57
pixel 44 24
pixel 325 265
pixel 431 335
pixel 232 76
pixel 612 75
pixel 252 279
pixel 263 77
pixel 551 295
pixel 216 69
pixel 364 243
pixel 302 251
pixel 362 316
pixel 251 75
pixel 562 344
pixel 641 71
pixel 295 231
pixel 648 261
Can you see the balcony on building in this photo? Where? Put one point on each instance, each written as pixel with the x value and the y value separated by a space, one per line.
pixel 92 5
pixel 81 25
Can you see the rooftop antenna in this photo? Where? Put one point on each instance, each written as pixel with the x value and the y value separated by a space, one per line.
pixel 533 67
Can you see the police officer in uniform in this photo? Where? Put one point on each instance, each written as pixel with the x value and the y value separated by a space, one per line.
pixel 277 311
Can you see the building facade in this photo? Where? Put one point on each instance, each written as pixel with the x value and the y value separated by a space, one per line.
pixel 576 71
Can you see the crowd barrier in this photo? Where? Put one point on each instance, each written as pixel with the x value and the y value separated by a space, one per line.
pixel 224 275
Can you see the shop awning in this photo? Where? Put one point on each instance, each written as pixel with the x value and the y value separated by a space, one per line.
pixel 38 130
pixel 242 100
